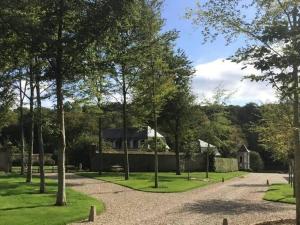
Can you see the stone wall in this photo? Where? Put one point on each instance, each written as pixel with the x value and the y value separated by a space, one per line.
pixel 144 161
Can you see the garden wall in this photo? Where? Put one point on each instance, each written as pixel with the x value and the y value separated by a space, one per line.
pixel 144 161
pixel 4 161
pixel 226 164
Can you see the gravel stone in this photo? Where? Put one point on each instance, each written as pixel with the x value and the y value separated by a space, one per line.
pixel 239 200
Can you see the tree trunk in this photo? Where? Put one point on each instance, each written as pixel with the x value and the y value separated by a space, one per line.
pixel 178 172
pixel 29 163
pixel 125 147
pixel 297 142
pixel 61 189
pixel 40 136
pixel 22 130
pixel 290 173
pixel 61 196
pixel 100 146
pixel 207 163
pixel 155 135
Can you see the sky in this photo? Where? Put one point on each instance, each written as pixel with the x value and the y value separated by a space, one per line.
pixel 209 60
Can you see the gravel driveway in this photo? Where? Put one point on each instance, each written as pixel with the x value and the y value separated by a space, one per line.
pixel 239 200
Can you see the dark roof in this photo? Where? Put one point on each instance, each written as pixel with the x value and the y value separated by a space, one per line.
pixel 132 132
pixel 244 149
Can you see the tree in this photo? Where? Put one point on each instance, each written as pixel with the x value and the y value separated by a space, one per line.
pixel 95 87
pixel 127 52
pixel 273 48
pixel 158 79
pixel 275 130
pixel 217 128
pixel 190 147
pixel 65 31
pixel 175 115
pixel 32 89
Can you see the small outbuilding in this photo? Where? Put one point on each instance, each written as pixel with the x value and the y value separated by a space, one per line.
pixel 243 157
pixel 206 147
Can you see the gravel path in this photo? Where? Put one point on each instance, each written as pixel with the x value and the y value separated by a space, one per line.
pixel 239 200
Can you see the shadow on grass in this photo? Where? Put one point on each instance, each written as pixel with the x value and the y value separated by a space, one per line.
pixel 26 207
pixel 230 207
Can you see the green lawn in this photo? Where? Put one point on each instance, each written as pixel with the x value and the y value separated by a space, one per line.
pixel 21 204
pixel 168 182
pixel 280 193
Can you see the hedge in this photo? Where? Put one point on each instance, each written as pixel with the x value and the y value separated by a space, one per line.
pixel 226 165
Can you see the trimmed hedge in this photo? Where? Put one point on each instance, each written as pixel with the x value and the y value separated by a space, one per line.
pixel 226 165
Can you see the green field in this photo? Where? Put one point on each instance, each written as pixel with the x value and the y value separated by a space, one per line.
pixel 168 182
pixel 21 203
pixel 280 193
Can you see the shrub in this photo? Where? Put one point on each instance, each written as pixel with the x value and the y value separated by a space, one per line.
pixel 256 162
pixel 35 163
pixel 49 162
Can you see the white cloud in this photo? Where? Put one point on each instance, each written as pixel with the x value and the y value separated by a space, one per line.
pixel 230 75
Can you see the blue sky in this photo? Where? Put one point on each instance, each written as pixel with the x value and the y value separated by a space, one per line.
pixel 209 60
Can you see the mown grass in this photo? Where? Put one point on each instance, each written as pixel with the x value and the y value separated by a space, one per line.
pixel 168 182
pixel 22 204
pixel 280 193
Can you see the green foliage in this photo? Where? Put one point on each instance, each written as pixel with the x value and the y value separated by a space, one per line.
pixel 226 165
pixel 21 203
pixel 275 130
pixel 256 163
pixel 217 128
pixel 80 151
pixel 169 182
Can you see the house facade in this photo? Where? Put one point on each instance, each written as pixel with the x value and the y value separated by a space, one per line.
pixel 137 138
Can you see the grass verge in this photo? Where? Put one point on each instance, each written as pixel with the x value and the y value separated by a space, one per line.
pixel 280 193
pixel 22 204
pixel 168 182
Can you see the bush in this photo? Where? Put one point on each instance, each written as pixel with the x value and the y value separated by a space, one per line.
pixel 226 165
pixel 49 162
pixel 256 162
pixel 16 162
pixel 35 163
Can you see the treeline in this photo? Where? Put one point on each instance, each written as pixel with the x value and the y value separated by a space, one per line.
pixel 227 127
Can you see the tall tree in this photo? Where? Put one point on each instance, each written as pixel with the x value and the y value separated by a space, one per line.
pixel 31 100
pixel 126 54
pixel 40 134
pixel 273 32
pixel 177 111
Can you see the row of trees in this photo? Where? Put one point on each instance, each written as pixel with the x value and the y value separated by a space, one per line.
pixel 91 51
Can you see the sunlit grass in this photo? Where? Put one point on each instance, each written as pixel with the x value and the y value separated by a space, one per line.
pixel 168 182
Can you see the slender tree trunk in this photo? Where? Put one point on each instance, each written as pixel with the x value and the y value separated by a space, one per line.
pixel 29 164
pixel 297 142
pixel 207 163
pixel 100 146
pixel 61 195
pixel 189 169
pixel 155 134
pixel 61 189
pixel 22 130
pixel 178 172
pixel 125 147
pixel 290 173
pixel 40 136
